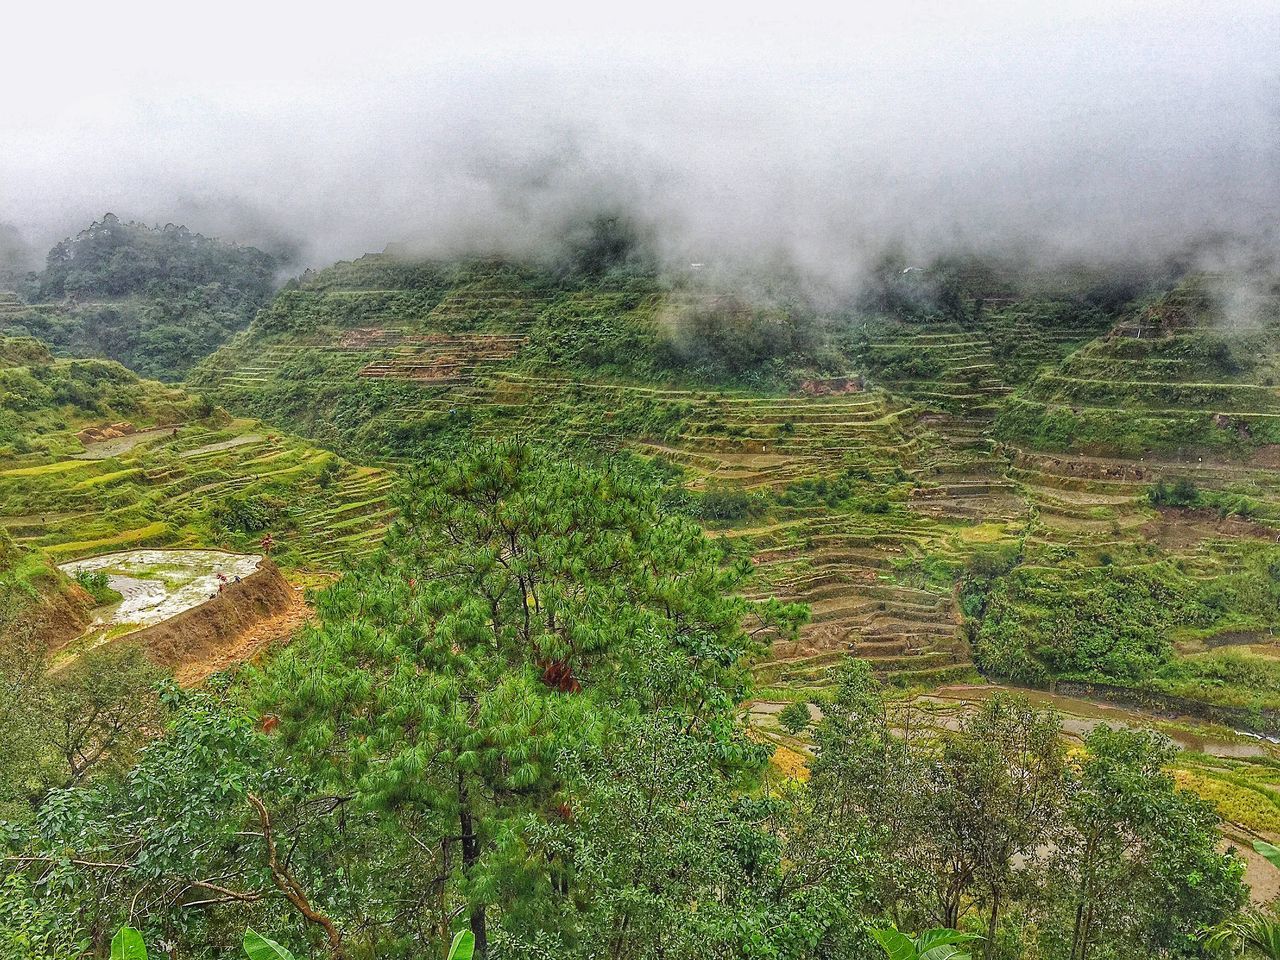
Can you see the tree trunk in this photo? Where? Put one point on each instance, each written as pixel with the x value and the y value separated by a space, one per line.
pixel 992 925
pixel 1088 932
pixel 471 856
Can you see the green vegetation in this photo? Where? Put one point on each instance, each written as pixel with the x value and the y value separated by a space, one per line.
pixel 37 603
pixel 95 584
pixel 521 720
pixel 937 944
pixel 96 459
pixel 1125 862
pixel 155 299
pixel 64 726
pixel 1174 375
pixel 630 507
pixel 868 463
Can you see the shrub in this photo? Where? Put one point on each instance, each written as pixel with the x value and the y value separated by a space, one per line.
pixel 249 514
pixel 95 583
pixel 1181 493
pixel 795 717
pixel 724 504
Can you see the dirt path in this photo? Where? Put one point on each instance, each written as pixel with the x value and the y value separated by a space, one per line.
pixel 103 449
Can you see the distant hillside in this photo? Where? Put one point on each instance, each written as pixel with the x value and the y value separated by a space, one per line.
pixel 1043 477
pixel 156 299
pixel 1192 370
pixel 94 459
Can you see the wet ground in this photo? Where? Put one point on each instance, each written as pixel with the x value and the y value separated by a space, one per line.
pixel 159 584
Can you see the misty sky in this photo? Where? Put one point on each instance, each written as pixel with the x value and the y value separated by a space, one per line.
pixel 811 133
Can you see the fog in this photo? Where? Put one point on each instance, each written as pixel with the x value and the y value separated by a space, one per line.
pixel 741 135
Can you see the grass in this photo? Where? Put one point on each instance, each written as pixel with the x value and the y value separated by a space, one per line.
pixel 45 469
pixel 152 534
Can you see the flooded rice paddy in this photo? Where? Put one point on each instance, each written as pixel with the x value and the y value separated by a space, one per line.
pixel 158 584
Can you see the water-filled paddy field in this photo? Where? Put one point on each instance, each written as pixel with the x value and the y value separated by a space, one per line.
pixel 158 584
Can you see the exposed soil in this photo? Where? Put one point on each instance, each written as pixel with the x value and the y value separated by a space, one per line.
pixel 62 614
pixel 250 645
pixel 243 618
pixel 1260 876
pixel 102 447
pixel 1178 528
pixel 1266 456
pixel 832 385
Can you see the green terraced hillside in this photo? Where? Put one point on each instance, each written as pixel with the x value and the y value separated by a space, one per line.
pixel 1183 374
pixel 928 484
pixel 95 459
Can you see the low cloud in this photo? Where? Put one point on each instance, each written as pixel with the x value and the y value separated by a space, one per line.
pixel 1088 133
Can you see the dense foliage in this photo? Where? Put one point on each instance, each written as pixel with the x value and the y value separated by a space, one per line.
pixel 522 719
pixel 155 299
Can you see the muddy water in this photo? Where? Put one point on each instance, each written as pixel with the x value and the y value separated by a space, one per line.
pixel 1079 716
pixel 159 584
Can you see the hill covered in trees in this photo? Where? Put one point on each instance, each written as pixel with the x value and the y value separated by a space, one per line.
pixel 682 635
pixel 155 299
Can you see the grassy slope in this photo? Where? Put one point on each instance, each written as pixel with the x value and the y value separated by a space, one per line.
pixel 171 483
pixel 36 598
pixel 1180 599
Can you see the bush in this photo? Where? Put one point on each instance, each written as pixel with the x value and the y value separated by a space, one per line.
pixel 95 583
pixel 724 504
pixel 1181 493
pixel 795 717
pixel 249 514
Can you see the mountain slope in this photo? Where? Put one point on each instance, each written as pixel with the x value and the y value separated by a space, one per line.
pixel 95 459
pixel 156 299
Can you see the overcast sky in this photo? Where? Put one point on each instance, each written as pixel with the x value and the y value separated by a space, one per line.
pixel 790 130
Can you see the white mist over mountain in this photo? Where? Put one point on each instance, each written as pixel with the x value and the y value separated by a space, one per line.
pixel 790 133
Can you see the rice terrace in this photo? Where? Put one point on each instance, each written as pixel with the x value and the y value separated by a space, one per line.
pixel 565 483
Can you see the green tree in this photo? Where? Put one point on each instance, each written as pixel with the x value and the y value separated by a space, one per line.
pixel 519 604
pixel 997 792
pixel 194 827
pixel 60 726
pixel 101 709
pixel 795 717
pixel 959 816
pixel 1135 866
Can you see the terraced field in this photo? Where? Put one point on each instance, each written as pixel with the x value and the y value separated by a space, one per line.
pixel 920 492
pixel 167 489
pixel 1177 376
pixel 872 491
pixel 970 369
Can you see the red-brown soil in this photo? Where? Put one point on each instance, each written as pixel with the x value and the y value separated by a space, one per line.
pixel 236 625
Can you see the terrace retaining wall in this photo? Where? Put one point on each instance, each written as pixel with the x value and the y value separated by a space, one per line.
pixel 200 632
